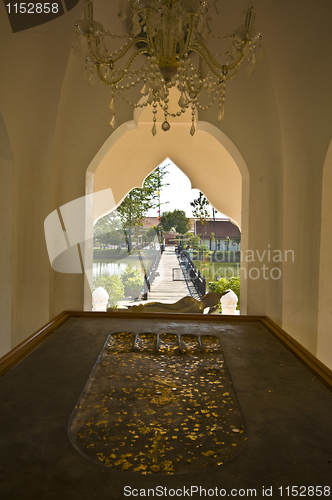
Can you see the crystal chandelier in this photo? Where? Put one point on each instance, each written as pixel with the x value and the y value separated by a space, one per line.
pixel 170 38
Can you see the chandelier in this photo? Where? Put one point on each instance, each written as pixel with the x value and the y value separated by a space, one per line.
pixel 168 46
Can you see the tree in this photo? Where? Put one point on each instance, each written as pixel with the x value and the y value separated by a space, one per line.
pixel 136 204
pixel 194 243
pixel 108 230
pixel 200 210
pixel 151 234
pixel 176 219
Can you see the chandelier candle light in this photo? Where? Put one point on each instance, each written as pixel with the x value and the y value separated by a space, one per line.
pixel 171 37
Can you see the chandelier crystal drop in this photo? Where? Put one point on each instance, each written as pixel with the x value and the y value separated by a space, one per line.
pixel 169 46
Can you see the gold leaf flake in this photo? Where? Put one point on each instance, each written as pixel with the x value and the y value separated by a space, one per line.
pixel 140 467
pixel 193 437
pixel 208 453
pixel 121 461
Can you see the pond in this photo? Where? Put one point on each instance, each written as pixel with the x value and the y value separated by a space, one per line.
pixel 214 270
pixel 110 267
pixel 102 267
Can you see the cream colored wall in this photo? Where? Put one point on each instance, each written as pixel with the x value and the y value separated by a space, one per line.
pixel 324 330
pixel 301 74
pixel 33 63
pixel 6 224
pixel 200 157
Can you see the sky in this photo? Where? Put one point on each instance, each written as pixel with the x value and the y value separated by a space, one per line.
pixel 178 194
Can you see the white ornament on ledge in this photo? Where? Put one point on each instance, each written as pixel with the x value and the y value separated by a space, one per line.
pixel 229 303
pixel 99 299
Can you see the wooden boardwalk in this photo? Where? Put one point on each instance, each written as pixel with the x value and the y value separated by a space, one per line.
pixel 164 289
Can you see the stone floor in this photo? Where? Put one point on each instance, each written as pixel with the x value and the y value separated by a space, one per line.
pixel 287 414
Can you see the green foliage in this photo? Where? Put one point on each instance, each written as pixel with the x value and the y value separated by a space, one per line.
pixel 176 219
pixel 108 230
pixel 136 204
pixel 113 286
pixel 234 284
pixel 132 281
pixel 226 284
pixel 151 234
pixel 200 210
pixel 134 286
pixel 193 242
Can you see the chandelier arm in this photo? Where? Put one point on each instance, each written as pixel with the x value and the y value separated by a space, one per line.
pixel 110 59
pixel 105 82
pixel 114 35
pixel 233 75
pixel 133 42
pixel 202 49
pixel 238 62
pixel 197 49
pixel 212 59
pixel 131 60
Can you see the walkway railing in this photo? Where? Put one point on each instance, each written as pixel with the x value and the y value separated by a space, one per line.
pixel 151 274
pixel 193 275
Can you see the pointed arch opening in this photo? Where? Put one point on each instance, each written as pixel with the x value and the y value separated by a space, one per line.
pixel 209 159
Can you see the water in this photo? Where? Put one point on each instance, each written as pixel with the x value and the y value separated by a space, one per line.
pixel 108 268
pixel 214 270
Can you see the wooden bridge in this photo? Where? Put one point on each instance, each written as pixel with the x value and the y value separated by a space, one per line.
pixel 164 289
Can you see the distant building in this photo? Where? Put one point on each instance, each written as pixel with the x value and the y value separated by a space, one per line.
pixel 226 234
